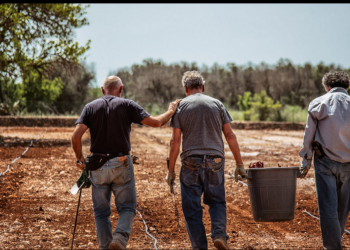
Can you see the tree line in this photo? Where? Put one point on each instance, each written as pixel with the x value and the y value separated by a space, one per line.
pixel 155 82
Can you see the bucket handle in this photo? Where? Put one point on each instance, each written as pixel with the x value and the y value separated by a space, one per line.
pixel 299 175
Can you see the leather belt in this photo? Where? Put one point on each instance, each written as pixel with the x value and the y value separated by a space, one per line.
pixel 206 156
pixel 118 154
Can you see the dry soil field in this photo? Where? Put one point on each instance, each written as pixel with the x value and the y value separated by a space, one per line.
pixel 38 211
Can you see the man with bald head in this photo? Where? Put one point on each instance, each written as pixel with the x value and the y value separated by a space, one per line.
pixel 109 119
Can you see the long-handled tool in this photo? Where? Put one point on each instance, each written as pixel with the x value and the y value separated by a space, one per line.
pixel 82 182
pixel 76 219
pixel 173 192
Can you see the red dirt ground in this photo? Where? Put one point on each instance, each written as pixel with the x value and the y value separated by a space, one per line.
pixel 38 211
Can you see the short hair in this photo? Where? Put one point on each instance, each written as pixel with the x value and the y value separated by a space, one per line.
pixel 112 82
pixel 192 80
pixel 334 79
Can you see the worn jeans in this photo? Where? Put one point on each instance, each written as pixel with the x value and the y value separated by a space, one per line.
pixel 333 196
pixel 117 177
pixel 206 176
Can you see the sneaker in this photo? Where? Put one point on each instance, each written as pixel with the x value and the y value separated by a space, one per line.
pixel 117 244
pixel 220 243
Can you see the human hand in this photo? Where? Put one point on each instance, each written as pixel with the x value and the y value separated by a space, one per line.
pixel 173 105
pixel 304 168
pixel 80 163
pixel 240 172
pixel 170 178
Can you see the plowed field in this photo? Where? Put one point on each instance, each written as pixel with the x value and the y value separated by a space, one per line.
pixel 38 211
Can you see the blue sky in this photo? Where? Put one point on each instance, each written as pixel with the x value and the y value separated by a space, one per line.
pixel 124 34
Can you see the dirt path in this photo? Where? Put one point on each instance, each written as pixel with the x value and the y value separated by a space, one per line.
pixel 38 211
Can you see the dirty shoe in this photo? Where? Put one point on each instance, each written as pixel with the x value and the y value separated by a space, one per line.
pixel 117 244
pixel 220 243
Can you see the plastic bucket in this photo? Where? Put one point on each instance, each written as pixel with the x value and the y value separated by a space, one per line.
pixel 272 193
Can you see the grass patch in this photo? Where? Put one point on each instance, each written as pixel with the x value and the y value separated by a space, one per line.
pixel 236 114
pixel 293 113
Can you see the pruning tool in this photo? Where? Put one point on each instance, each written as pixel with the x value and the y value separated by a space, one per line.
pixel 173 193
pixel 172 184
pixel 82 182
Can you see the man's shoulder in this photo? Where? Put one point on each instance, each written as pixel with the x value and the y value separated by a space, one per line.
pixel 94 102
pixel 112 101
pixel 199 98
pixel 328 98
pixel 317 101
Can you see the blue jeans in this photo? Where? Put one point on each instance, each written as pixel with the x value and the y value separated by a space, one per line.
pixel 117 177
pixel 333 196
pixel 206 176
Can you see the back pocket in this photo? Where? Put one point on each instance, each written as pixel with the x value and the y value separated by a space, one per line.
pixel 216 171
pixel 122 174
pixel 189 173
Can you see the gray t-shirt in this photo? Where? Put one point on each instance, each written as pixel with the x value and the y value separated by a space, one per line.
pixel 200 118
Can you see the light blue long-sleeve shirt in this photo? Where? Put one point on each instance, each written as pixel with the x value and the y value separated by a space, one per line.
pixel 328 122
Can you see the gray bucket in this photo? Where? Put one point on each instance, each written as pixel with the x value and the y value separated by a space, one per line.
pixel 272 193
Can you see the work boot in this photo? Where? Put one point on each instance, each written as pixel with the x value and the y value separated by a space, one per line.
pixel 117 244
pixel 220 243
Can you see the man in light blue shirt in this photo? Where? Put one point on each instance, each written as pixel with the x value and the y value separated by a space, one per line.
pixel 327 133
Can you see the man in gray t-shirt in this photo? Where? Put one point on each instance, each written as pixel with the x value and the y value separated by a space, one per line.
pixel 202 119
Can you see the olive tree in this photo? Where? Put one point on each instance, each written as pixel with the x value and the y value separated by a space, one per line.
pixel 32 36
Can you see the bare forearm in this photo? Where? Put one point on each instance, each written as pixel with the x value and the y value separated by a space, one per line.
pixel 77 147
pixel 157 121
pixel 164 118
pixel 234 147
pixel 174 153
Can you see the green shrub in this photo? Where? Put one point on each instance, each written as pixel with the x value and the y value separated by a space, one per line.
pixel 245 104
pixel 264 106
pixel 293 114
pixel 40 93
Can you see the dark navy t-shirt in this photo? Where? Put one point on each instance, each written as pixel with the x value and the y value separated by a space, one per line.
pixel 109 119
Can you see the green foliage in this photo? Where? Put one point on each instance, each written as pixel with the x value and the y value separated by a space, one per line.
pixel 60 91
pixel 40 94
pixel 293 113
pixel 260 107
pixel 245 104
pixel 34 35
pixel 236 114
pixel 13 100
pixel 264 106
pixel 349 90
